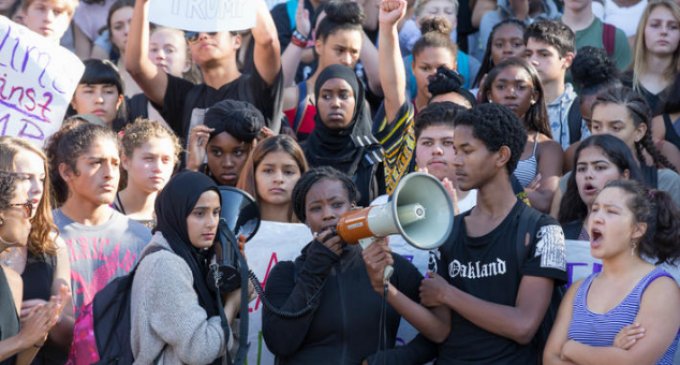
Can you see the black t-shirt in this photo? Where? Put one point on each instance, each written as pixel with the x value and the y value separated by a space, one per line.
pixel 488 268
pixel 185 104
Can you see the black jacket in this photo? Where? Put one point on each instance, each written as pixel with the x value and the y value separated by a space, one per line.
pixel 344 326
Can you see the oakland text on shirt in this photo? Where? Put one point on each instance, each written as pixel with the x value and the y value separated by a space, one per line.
pixel 477 270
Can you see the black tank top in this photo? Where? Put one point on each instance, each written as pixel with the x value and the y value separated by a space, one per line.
pixel 9 320
pixel 38 274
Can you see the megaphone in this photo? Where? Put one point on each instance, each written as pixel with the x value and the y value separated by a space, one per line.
pixel 240 215
pixel 420 210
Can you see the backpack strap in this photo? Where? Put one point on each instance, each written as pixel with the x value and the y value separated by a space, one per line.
pixel 528 220
pixel 291 9
pixel 575 120
pixel 609 38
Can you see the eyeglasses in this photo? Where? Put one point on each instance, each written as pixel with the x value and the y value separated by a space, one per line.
pixel 192 37
pixel 28 207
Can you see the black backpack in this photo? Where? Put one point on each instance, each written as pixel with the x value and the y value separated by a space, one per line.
pixel 111 314
pixel 574 118
pixel 528 219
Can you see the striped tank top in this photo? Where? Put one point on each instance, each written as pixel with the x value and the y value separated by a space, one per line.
pixel 527 169
pixel 600 329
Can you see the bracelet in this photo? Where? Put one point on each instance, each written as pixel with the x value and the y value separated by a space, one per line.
pixel 298 42
pixel 299 36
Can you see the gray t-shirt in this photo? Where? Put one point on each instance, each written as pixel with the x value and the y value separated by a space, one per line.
pixel 99 254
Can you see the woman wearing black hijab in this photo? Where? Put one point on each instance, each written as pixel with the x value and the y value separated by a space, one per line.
pixel 342 133
pixel 174 314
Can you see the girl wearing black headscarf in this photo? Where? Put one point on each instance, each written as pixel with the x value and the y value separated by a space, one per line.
pixel 227 138
pixel 342 133
pixel 174 314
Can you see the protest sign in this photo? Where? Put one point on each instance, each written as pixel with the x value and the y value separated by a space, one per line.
pixel 204 15
pixel 37 81
pixel 274 242
pixel 581 263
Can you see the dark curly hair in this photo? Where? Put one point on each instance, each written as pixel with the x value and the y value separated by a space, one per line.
pixel 487 62
pixel 593 71
pixel 639 111
pixel 496 126
pixel 8 185
pixel 536 118
pixel 657 209
pixel 340 15
pixel 554 33
pixel 311 177
pixel 436 114
pixel 572 207
pixel 70 142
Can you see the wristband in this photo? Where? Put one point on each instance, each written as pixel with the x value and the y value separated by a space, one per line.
pixel 299 36
pixel 298 42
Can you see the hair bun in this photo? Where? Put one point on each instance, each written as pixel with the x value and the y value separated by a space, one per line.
pixel 344 11
pixel 437 24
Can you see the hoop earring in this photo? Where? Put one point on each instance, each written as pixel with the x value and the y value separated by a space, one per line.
pixel 9 243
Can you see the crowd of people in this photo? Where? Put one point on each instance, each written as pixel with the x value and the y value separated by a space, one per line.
pixel 553 125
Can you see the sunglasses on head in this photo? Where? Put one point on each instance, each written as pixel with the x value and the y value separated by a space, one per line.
pixel 28 207
pixel 192 37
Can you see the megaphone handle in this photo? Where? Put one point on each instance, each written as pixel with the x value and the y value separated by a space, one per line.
pixel 389 270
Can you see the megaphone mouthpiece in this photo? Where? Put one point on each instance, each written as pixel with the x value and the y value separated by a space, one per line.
pixel 410 214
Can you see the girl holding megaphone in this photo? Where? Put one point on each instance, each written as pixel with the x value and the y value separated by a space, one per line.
pixel 330 277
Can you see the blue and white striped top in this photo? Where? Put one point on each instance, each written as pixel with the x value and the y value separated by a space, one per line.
pixel 600 329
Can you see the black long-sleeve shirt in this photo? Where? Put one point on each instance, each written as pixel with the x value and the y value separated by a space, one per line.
pixel 344 326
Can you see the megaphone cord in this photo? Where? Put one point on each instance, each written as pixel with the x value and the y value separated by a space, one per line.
pixel 382 337
pixel 279 312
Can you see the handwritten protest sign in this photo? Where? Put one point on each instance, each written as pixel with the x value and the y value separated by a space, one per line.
pixel 203 15
pixel 274 242
pixel 37 81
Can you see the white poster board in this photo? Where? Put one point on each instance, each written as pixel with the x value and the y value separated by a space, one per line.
pixel 581 264
pixel 37 81
pixel 204 15
pixel 274 242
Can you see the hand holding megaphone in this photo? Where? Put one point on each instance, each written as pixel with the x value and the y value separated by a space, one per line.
pixel 377 256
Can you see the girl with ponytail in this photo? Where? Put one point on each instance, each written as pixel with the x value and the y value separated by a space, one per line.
pixel 630 314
